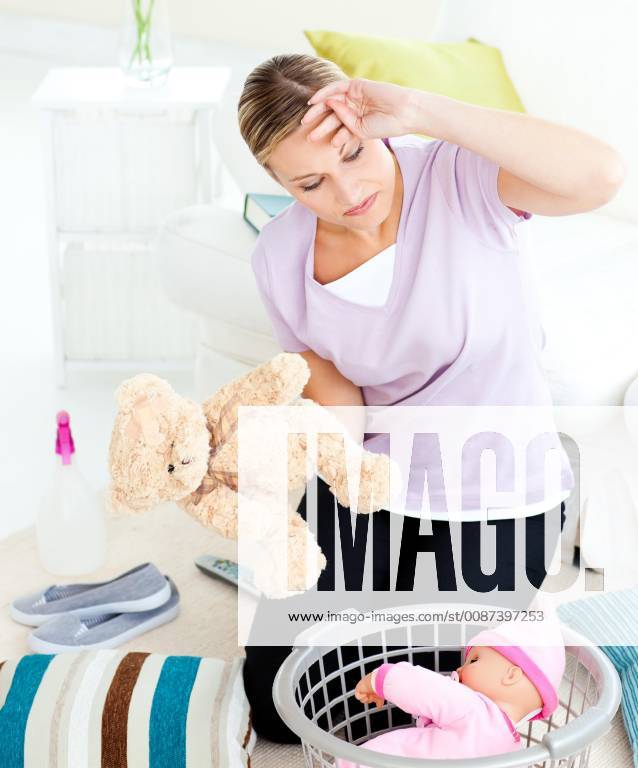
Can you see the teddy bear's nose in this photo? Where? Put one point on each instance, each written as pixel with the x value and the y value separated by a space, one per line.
pixel 171 468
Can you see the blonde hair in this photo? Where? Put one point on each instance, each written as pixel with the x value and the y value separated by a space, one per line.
pixel 274 98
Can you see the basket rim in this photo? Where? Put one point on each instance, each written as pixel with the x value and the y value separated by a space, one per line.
pixel 554 746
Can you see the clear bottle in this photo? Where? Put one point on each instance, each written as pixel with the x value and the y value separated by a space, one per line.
pixel 70 526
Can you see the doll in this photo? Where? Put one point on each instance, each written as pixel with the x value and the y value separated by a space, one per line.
pixel 474 711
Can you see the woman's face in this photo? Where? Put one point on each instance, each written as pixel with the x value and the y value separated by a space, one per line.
pixel 333 179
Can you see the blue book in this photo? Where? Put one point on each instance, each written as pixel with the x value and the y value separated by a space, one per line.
pixel 260 209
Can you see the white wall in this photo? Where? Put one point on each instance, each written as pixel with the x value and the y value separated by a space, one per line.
pixel 268 24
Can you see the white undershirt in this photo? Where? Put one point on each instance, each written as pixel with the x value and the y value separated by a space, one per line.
pixel 369 284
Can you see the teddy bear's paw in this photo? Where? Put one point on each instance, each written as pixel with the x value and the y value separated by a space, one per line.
pixel 381 479
pixel 306 560
pixel 298 580
pixel 272 579
pixel 226 525
pixel 341 495
pixel 255 519
pixel 288 566
pixel 291 375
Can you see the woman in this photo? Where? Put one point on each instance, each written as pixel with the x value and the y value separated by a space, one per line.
pixel 397 274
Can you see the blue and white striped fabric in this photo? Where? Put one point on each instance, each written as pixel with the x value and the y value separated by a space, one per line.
pixel 610 620
pixel 115 709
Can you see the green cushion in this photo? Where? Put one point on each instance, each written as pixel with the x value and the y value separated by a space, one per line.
pixel 469 71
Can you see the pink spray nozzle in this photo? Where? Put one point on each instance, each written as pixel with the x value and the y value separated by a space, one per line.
pixel 64 439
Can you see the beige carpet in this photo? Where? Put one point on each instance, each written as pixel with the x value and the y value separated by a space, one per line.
pixel 207 622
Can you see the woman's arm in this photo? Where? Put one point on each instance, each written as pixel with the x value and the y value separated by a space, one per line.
pixel 327 386
pixel 545 167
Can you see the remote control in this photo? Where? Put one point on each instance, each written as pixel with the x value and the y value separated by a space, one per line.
pixel 228 570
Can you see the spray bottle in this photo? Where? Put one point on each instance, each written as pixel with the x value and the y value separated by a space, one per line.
pixel 70 526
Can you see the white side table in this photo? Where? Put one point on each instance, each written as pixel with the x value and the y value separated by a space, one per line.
pixel 119 158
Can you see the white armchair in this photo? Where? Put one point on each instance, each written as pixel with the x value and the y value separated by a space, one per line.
pixel 204 252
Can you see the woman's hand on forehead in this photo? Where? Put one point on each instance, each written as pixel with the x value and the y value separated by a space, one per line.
pixel 360 108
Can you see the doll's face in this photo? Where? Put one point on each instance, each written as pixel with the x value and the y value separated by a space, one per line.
pixel 487 671
pixel 481 668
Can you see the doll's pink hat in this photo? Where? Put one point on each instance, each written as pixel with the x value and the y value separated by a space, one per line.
pixel 543 664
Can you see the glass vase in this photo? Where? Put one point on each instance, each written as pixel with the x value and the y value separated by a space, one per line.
pixel 145 51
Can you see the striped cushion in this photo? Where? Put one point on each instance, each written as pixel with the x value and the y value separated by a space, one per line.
pixel 612 617
pixel 115 709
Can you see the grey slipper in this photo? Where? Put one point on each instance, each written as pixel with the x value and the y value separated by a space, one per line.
pixel 78 633
pixel 140 589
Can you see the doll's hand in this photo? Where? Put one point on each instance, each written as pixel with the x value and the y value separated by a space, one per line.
pixel 365 693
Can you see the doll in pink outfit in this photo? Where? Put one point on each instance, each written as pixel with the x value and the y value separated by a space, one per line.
pixel 474 711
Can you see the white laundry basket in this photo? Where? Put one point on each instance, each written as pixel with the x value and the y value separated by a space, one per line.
pixel 321 708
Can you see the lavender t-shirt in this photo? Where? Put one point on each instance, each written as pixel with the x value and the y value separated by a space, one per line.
pixel 460 325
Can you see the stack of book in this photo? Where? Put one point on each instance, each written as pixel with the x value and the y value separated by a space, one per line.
pixel 259 209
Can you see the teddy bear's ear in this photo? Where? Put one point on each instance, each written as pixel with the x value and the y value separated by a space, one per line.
pixel 132 390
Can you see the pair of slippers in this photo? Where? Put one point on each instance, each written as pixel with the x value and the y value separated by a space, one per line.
pixel 74 617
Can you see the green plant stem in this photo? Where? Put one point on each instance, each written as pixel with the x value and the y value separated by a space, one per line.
pixel 143 28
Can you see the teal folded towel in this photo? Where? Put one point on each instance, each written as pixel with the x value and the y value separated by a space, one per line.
pixel 606 618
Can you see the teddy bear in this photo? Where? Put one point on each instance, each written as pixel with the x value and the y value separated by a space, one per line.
pixel 165 447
